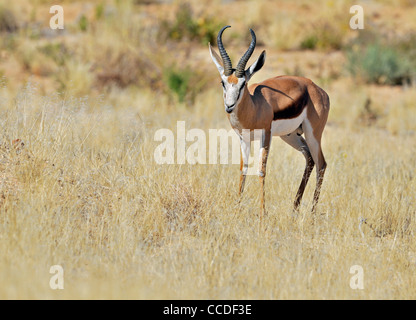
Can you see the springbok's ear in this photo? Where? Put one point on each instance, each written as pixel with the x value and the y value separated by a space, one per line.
pixel 216 58
pixel 256 66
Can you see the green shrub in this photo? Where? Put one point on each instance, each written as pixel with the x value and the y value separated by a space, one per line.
pixel 381 59
pixel 83 23
pixel 185 26
pixel 379 64
pixel 99 11
pixel 178 82
pixel 57 51
pixel 185 83
pixel 324 35
pixel 310 42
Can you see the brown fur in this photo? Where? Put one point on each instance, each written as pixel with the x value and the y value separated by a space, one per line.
pixel 282 97
pixel 232 79
pixel 285 97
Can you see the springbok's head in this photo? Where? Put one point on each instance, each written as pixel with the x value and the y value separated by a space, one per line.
pixel 234 81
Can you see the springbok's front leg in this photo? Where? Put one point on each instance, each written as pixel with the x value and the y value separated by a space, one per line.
pixel 264 153
pixel 244 158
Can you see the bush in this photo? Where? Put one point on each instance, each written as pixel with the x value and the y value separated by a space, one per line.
pixel 124 67
pixel 8 21
pixel 186 26
pixel 178 82
pixel 325 35
pixel 185 83
pixel 58 52
pixel 310 42
pixel 380 64
pixel 83 23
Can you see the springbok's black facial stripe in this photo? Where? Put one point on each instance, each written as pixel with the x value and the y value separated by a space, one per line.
pixel 239 92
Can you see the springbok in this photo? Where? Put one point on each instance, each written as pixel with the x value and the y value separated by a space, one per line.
pixel 284 106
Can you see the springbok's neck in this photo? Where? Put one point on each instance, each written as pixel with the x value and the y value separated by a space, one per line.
pixel 246 109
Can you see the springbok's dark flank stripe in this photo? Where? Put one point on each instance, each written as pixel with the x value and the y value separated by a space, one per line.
pixel 293 110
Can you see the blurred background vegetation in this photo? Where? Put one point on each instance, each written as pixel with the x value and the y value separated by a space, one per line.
pixel 119 50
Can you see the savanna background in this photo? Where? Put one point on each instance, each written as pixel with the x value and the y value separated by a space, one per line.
pixel 79 186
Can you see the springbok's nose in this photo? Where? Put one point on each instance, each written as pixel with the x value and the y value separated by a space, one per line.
pixel 229 109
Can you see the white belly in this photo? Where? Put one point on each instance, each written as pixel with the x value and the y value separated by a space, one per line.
pixel 286 126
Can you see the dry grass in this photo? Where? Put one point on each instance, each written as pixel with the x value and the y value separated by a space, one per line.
pixel 79 186
pixel 84 191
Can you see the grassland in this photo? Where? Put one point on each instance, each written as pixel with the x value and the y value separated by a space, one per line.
pixel 79 186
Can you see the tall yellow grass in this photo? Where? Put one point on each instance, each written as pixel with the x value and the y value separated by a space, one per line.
pixel 80 188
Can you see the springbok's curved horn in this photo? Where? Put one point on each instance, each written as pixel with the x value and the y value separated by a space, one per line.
pixel 239 72
pixel 226 61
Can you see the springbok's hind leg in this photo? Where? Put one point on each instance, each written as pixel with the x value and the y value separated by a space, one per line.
pixel 314 144
pixel 297 142
pixel 319 178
